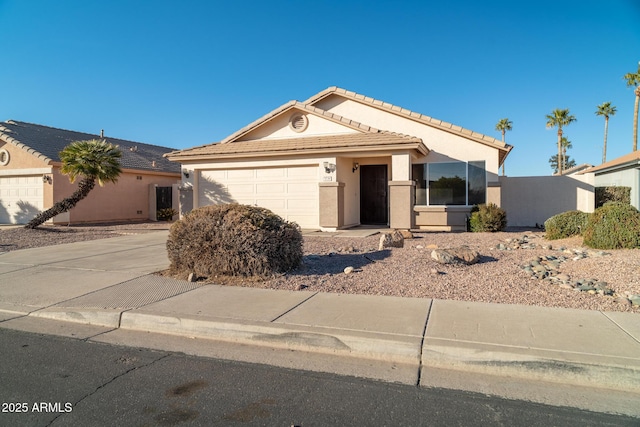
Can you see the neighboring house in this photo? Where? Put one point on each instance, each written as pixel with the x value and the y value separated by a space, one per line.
pixel 621 172
pixel 340 159
pixel 30 178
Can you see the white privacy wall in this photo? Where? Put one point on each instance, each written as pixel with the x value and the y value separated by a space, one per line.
pixel 534 199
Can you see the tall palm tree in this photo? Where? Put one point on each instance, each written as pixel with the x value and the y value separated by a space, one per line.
pixel 559 118
pixel 93 161
pixel 633 79
pixel 606 110
pixel 503 126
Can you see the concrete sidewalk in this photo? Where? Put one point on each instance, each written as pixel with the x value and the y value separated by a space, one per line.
pixel 107 284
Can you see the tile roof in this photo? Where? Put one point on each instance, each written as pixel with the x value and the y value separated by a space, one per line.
pixel 320 144
pixel 630 159
pixel 439 124
pixel 46 143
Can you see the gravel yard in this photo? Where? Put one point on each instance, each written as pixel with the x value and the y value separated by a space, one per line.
pixel 410 272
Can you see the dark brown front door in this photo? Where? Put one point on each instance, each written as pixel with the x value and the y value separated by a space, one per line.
pixel 373 194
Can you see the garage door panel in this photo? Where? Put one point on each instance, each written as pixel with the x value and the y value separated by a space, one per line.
pixel 21 198
pixel 271 188
pixel 271 173
pixel 240 188
pixel 236 174
pixel 291 192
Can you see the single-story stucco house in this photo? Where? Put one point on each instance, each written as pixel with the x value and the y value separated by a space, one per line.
pixel 620 172
pixel 31 181
pixel 341 159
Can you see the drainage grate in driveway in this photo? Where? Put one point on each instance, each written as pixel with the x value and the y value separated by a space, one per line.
pixel 131 294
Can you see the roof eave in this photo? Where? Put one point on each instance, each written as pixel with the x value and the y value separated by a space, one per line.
pixel 418 147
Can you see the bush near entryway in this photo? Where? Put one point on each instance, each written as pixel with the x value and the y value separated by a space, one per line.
pixel 613 226
pixel 566 224
pixel 487 218
pixel 233 240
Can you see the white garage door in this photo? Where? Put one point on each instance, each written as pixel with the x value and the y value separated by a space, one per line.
pixel 20 198
pixel 291 192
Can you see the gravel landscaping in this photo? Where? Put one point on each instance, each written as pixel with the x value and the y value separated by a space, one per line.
pixel 573 276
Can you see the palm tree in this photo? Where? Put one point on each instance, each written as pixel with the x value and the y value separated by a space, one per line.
pixel 504 125
pixel 633 79
pixel 566 162
pixel 559 118
pixel 605 109
pixel 93 161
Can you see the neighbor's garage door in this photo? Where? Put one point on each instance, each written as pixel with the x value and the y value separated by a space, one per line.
pixel 291 192
pixel 20 198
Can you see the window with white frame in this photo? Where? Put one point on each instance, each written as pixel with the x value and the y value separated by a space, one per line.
pixel 450 183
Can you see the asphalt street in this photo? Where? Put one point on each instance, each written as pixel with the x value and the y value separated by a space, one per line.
pixel 48 380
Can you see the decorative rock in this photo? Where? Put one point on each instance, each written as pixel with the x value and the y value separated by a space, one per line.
pixel 635 300
pixel 348 270
pixel 192 277
pixel 419 247
pixel 391 240
pixel 434 271
pixel 406 234
pixel 301 287
pixel 461 255
pixel 623 300
pixel 432 246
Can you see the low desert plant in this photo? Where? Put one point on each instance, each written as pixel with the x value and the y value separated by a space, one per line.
pixel 166 214
pixel 613 226
pixel 566 224
pixel 487 217
pixel 612 194
pixel 233 240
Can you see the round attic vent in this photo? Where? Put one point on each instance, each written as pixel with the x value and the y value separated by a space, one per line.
pixel 4 157
pixel 298 122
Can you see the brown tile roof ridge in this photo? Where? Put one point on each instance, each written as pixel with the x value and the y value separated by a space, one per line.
pixel 619 161
pixel 301 106
pixel 485 139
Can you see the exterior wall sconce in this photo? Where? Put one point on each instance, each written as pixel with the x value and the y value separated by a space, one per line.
pixel 356 165
pixel 46 179
pixel 185 173
pixel 329 167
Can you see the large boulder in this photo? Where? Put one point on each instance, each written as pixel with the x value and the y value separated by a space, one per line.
pixel 391 240
pixel 461 255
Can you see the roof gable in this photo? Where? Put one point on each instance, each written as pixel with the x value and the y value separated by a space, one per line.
pixel 421 118
pixel 46 142
pixel 288 109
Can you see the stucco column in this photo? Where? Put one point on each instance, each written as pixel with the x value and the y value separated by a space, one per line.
pixel 401 196
pixel 331 205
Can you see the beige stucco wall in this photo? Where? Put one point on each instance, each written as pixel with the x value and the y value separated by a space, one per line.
pixel 534 199
pixel 279 128
pixel 127 200
pixel 21 159
pixel 444 146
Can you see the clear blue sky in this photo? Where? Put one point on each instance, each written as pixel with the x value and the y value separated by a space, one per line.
pixel 183 73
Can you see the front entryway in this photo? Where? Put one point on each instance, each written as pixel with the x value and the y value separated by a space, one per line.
pixel 373 194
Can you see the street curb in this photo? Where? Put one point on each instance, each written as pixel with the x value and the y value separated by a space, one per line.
pixel 378 346
pixel 585 370
pixel 97 317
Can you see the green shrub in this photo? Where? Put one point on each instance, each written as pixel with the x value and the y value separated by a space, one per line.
pixel 233 240
pixel 166 214
pixel 566 224
pixel 613 226
pixel 487 218
pixel 612 194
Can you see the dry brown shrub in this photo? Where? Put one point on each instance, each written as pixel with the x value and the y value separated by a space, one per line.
pixel 233 240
